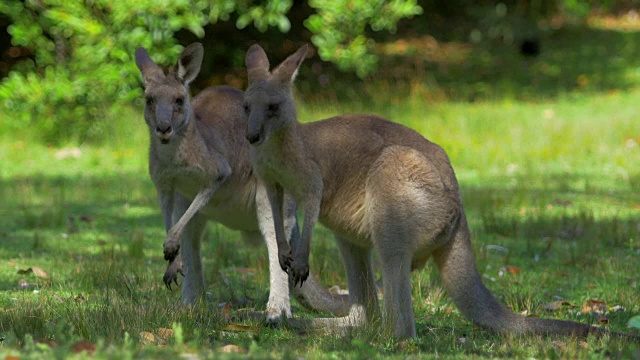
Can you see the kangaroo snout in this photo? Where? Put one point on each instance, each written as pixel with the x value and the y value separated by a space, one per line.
pixel 254 139
pixel 164 133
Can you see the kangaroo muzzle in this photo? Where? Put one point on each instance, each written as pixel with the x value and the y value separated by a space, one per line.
pixel 255 134
pixel 164 130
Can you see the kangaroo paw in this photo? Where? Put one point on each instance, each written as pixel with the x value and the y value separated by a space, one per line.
pixel 171 274
pixel 171 248
pixel 285 261
pixel 299 272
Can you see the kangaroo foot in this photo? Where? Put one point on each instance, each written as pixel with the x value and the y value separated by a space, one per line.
pixel 171 274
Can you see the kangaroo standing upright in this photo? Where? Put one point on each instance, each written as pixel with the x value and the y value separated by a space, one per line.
pixel 379 186
pixel 198 161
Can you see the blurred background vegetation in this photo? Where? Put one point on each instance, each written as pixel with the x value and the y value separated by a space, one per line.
pixel 67 66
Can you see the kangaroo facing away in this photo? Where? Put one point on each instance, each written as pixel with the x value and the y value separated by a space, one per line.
pixel 198 161
pixel 379 186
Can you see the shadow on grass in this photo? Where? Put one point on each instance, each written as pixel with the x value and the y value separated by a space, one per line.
pixel 122 209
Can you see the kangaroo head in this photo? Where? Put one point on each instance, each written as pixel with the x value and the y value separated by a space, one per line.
pixel 168 109
pixel 268 100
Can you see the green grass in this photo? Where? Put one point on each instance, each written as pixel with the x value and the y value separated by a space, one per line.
pixel 555 181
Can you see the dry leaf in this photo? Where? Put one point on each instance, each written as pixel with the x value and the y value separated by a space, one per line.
pixel 555 305
pixel 233 349
pixel 594 305
pixel 512 269
pixel 234 327
pixel 147 338
pixel 12 357
pixel 83 345
pixel 79 298
pixel 603 320
pixel 461 341
pixel 36 270
pixel 165 333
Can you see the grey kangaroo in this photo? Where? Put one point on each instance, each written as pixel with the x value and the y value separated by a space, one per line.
pixel 379 186
pixel 198 161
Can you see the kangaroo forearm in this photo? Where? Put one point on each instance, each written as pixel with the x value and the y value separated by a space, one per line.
pixel 301 252
pixel 199 202
pixel 166 206
pixel 276 198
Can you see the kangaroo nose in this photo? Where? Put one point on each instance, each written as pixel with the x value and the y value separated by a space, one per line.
pixel 163 129
pixel 253 138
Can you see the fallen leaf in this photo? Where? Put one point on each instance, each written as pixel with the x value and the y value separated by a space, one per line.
pixel 603 320
pixel 147 338
pixel 83 345
pixel 461 341
pixel 555 305
pixel 233 349
pixel 12 357
pixel 512 269
pixel 234 327
pixel 36 270
pixel 225 308
pixel 79 298
pixel 594 305
pixel 165 333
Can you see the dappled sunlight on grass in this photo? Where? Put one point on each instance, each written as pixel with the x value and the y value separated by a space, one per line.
pixel 546 152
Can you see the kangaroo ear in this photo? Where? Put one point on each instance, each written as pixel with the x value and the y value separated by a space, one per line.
pixel 257 63
pixel 286 72
pixel 189 63
pixel 147 67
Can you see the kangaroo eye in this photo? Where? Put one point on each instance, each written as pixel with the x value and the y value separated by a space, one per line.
pixel 246 108
pixel 274 107
pixel 149 101
pixel 179 101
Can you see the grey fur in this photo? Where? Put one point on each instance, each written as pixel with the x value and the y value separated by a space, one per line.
pixel 381 187
pixel 198 161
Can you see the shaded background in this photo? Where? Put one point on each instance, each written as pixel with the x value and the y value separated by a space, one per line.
pixel 68 67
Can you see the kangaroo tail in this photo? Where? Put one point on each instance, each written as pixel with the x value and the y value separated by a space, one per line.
pixel 314 296
pixel 464 285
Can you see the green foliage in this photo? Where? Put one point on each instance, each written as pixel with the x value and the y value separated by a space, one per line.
pixel 340 29
pixel 83 68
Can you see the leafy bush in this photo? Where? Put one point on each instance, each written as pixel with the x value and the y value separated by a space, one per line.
pixel 82 68
pixel 339 29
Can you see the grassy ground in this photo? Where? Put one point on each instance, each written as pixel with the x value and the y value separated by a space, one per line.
pixel 550 183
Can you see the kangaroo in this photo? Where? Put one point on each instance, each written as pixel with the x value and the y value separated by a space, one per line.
pixel 378 186
pixel 198 161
